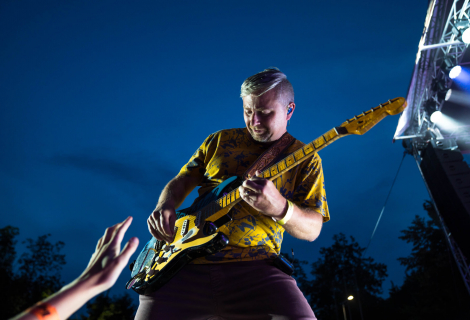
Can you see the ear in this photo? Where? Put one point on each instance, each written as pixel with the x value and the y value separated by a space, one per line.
pixel 292 106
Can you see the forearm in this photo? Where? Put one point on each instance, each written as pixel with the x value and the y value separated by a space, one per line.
pixel 304 224
pixel 66 301
pixel 176 191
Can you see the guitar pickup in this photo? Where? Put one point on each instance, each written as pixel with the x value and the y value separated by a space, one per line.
pixel 184 227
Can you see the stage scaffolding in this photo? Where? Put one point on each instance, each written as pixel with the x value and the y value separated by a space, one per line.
pixel 440 48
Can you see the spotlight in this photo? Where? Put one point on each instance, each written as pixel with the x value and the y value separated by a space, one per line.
pixel 436 116
pixel 455 72
pixel 430 106
pixel 466 36
pixel 448 94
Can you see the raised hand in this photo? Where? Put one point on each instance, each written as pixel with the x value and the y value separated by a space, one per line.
pixel 108 260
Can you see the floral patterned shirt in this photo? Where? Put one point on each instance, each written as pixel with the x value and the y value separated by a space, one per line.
pixel 252 235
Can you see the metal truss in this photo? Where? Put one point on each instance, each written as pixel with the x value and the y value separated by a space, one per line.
pixel 440 48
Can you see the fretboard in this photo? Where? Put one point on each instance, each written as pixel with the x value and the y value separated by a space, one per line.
pixel 274 171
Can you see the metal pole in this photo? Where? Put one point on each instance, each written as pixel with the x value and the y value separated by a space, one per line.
pixel 344 312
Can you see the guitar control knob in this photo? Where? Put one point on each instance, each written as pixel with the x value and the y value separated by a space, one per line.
pixel 209 228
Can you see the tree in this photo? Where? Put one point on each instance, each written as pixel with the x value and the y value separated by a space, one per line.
pixel 433 288
pixel 104 307
pixel 38 276
pixel 342 271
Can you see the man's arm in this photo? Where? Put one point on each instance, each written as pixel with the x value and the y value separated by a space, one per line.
pixel 161 222
pixel 262 195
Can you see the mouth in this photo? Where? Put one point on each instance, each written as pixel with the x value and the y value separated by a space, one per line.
pixel 258 130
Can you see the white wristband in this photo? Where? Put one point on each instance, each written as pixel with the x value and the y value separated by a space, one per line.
pixel 290 211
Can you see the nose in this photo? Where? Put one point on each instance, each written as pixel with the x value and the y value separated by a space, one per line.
pixel 254 119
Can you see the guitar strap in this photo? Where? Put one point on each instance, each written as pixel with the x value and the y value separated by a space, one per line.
pixel 270 156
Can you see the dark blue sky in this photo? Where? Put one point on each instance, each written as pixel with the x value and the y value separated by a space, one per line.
pixel 102 103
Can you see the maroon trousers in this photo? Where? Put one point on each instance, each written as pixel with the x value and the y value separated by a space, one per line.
pixel 238 290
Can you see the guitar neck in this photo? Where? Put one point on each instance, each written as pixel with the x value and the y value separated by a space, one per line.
pixel 289 162
pixel 358 125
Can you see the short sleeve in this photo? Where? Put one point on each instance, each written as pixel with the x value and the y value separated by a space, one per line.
pixel 196 166
pixel 310 190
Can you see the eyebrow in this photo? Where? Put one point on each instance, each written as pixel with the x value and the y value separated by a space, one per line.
pixel 249 107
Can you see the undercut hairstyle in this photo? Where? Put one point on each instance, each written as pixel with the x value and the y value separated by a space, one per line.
pixel 267 80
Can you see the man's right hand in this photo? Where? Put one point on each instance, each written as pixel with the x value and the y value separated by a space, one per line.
pixel 161 223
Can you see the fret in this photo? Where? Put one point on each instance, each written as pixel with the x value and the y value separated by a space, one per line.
pixel 290 160
pixel 224 201
pixel 281 165
pixel 308 148
pixel 266 174
pixel 232 196
pixel 273 170
pixel 330 135
pixel 237 194
pixel 228 198
pixel 319 142
pixel 221 202
pixel 299 154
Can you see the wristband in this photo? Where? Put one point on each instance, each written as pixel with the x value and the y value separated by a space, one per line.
pixel 44 311
pixel 290 211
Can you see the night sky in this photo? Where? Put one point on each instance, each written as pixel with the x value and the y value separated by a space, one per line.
pixel 103 102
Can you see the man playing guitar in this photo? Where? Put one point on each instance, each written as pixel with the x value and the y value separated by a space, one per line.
pixel 240 281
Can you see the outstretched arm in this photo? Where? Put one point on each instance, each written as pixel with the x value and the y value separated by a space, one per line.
pixel 102 271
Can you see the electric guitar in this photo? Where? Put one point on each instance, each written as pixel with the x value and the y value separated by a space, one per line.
pixel 196 227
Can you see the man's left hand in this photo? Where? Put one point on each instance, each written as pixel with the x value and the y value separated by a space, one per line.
pixel 263 195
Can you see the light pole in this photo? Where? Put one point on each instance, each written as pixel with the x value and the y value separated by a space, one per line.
pixel 344 308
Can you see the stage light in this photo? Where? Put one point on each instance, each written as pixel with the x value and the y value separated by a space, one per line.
pixel 455 72
pixel 350 297
pixel 448 94
pixel 436 116
pixel 466 36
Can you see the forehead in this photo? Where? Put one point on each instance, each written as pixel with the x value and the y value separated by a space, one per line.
pixel 266 101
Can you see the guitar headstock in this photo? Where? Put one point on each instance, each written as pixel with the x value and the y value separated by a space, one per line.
pixel 362 123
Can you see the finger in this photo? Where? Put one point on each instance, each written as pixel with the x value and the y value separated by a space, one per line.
pixel 99 244
pixel 257 176
pixel 167 219
pixel 108 234
pixel 121 231
pixel 153 229
pixel 243 192
pixel 129 249
pixel 161 227
pixel 252 186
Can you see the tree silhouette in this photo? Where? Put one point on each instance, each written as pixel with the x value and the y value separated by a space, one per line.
pixel 433 288
pixel 342 271
pixel 104 307
pixel 39 271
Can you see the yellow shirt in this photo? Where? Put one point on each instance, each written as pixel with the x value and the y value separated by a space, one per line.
pixel 252 235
